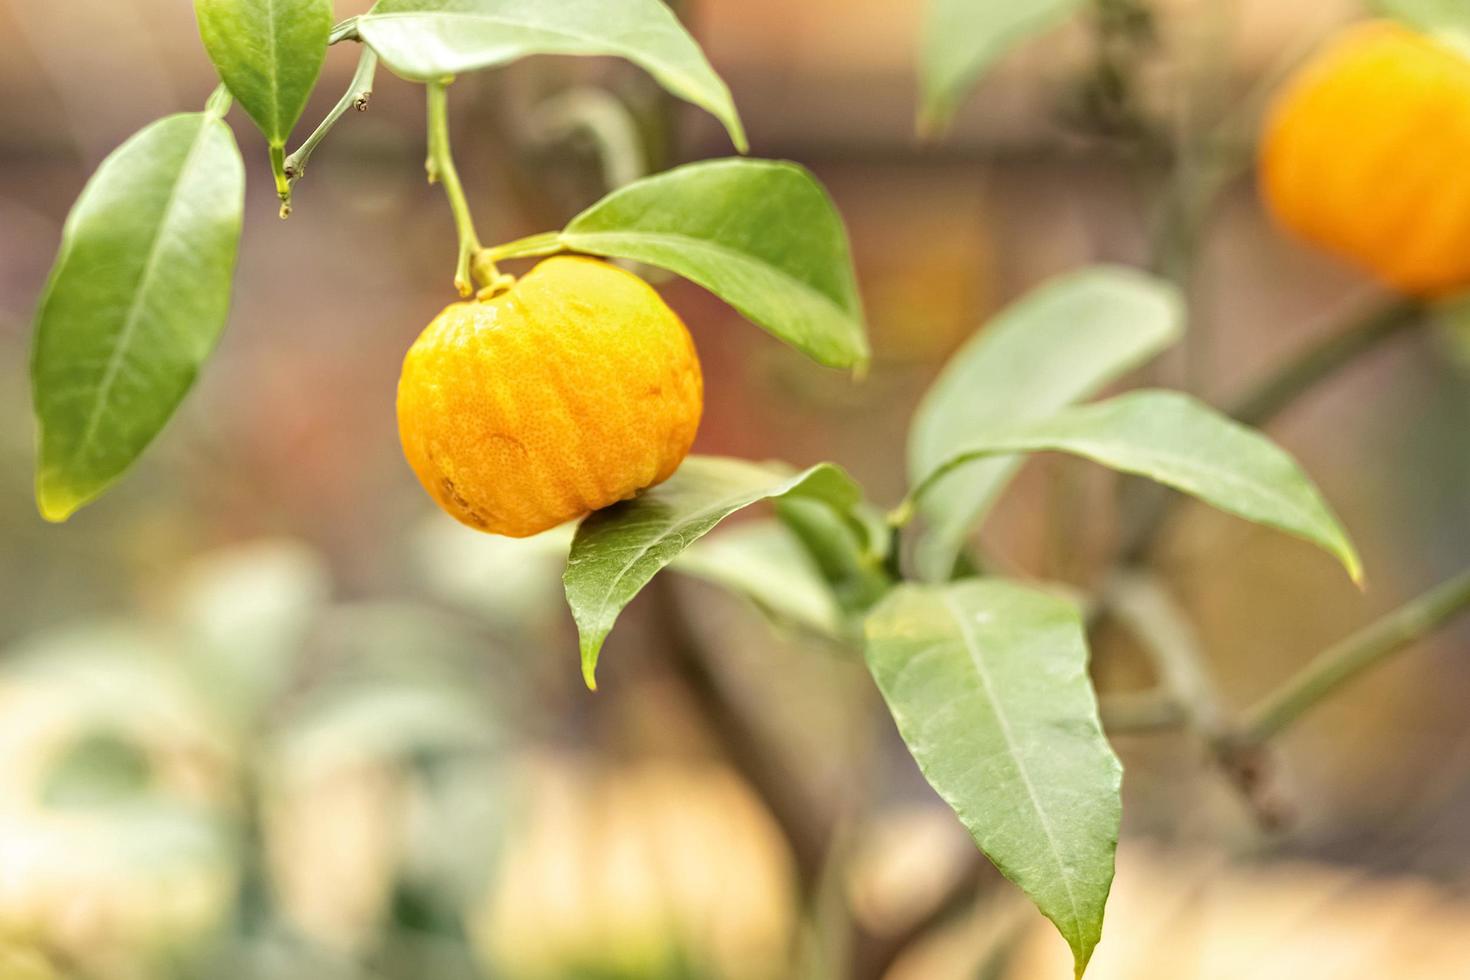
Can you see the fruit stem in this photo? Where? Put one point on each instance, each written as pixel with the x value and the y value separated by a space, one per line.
pixel 440 166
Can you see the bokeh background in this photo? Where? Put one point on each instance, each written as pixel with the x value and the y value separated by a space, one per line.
pixel 265 713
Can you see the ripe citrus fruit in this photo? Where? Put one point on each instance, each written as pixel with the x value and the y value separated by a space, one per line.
pixel 574 389
pixel 1365 152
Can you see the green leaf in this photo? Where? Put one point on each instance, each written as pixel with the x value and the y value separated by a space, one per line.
pixel 762 235
pixel 1184 444
pixel 987 681
pixel 1058 345
pixel 763 561
pixel 962 38
pixel 269 54
pixel 426 40
pixel 1450 18
pixel 244 614
pixel 618 550
pixel 851 563
pixel 135 303
pixel 100 768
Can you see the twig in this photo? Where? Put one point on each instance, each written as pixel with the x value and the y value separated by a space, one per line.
pixel 356 97
pixel 1141 712
pixel 873 955
pixel 739 738
pixel 1348 660
pixel 1150 504
pixel 1169 640
pixel 1323 359
pixel 344 31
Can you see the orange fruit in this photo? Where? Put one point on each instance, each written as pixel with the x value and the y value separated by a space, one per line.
pixel 1364 154
pixel 573 389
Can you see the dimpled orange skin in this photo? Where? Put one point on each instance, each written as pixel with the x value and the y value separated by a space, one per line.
pixel 573 390
pixel 1366 154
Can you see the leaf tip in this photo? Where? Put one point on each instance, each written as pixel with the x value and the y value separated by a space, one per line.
pixel 1355 571
pixel 591 646
pixel 56 506
pixel 932 123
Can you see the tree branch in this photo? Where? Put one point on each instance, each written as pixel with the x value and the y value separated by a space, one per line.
pixel 743 744
pixel 1325 358
pixel 356 97
pixel 1345 662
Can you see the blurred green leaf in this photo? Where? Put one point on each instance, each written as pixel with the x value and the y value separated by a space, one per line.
pixel 1180 442
pixel 99 769
pixel 514 583
pixel 1059 344
pixel 987 682
pixel 618 550
pixel 764 562
pixel 135 302
pixel 269 54
pixel 1447 17
pixel 430 39
pixel 349 725
pixel 963 38
pixel 849 562
pixel 762 235
pixel 115 677
pixel 244 614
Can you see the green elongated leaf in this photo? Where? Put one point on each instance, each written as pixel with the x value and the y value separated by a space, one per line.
pixel 763 561
pixel 987 681
pixel 618 550
pixel 1450 18
pixel 1184 444
pixel 850 563
pixel 269 53
pixel 430 39
pixel 135 302
pixel 962 38
pixel 1058 345
pixel 762 235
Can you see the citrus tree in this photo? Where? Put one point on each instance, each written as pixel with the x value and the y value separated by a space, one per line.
pixel 573 393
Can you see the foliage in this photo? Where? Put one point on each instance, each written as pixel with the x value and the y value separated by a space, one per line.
pixel 986 679
pixel 1061 343
pixel 962 38
pixel 762 235
pixel 988 683
pixel 430 39
pixel 135 303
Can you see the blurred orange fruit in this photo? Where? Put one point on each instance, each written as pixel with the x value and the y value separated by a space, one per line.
pixel 573 389
pixel 1365 152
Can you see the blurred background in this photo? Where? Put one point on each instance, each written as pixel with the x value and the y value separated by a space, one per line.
pixel 264 712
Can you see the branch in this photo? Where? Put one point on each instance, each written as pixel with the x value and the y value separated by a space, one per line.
pixel 1169 639
pixel 1141 712
pixel 1324 359
pixel 743 744
pixel 1145 519
pixel 1350 659
pixel 344 31
pixel 356 97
